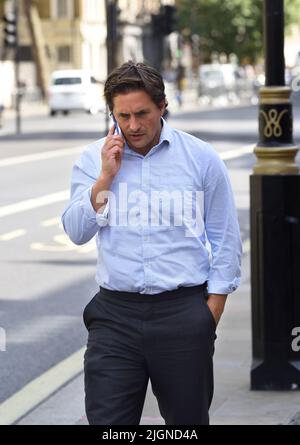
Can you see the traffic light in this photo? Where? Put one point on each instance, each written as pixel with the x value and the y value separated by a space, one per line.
pixel 156 24
pixel 168 19
pixel 10 30
pixel 164 23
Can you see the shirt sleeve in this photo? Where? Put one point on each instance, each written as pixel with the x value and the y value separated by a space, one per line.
pixel 222 229
pixel 80 221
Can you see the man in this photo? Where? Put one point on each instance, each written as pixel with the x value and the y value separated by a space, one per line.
pixel 154 197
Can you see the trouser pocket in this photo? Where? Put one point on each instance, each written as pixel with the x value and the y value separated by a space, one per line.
pixel 87 311
pixel 209 312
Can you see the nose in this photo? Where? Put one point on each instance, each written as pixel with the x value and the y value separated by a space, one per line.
pixel 134 124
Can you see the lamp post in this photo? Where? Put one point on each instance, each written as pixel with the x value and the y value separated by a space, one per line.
pixel 11 41
pixel 17 71
pixel 112 34
pixel 275 223
pixel 111 7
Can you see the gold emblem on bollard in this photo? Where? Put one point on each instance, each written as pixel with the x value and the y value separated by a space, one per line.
pixel 273 126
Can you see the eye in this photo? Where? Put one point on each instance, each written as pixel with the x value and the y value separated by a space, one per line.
pixel 142 113
pixel 124 117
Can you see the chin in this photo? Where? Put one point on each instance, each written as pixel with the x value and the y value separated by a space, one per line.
pixel 140 144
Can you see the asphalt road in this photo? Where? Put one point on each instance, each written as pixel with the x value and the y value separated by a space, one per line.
pixel 45 280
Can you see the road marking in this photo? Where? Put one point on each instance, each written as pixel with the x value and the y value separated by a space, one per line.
pixel 147 420
pixel 236 153
pixel 12 235
pixel 34 203
pixel 64 244
pixel 41 388
pixel 51 222
pixel 15 160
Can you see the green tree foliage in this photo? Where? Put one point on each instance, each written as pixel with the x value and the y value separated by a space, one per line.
pixel 230 26
pixel 292 12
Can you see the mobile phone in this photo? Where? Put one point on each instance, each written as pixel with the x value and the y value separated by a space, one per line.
pixel 116 124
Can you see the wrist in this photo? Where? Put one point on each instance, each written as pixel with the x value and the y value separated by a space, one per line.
pixel 106 178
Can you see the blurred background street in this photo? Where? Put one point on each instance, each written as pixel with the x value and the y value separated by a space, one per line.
pixel 46 280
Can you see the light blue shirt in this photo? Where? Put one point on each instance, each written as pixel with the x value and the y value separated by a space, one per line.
pixel 170 220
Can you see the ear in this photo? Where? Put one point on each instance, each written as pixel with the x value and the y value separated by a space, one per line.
pixel 162 107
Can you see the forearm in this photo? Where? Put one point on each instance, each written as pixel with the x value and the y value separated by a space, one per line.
pixel 99 189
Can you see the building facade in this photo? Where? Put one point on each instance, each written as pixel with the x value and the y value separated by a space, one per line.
pixel 62 34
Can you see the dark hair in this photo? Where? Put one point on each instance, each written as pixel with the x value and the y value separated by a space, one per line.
pixel 132 77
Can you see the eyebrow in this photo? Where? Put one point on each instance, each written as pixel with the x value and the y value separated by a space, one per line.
pixel 121 114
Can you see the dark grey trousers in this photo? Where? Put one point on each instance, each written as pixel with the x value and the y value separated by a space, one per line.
pixel 167 338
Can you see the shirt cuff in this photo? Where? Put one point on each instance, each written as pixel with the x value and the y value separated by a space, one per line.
pixel 86 205
pixel 102 215
pixel 222 287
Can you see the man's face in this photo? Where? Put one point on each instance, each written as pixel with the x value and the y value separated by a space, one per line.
pixel 139 119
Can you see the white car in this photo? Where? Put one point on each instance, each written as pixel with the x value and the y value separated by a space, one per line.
pixel 218 80
pixel 74 90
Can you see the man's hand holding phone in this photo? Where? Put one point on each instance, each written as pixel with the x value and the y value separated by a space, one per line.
pixel 111 156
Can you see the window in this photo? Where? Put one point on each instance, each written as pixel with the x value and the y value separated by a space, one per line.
pixel 67 81
pixel 62 9
pixel 64 53
pixel 25 53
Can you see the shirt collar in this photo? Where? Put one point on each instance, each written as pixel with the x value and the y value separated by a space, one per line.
pixel 166 132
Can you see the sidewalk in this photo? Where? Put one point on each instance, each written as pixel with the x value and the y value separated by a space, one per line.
pixel 28 109
pixel 233 403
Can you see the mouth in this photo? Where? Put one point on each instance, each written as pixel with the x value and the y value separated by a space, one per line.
pixel 135 137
